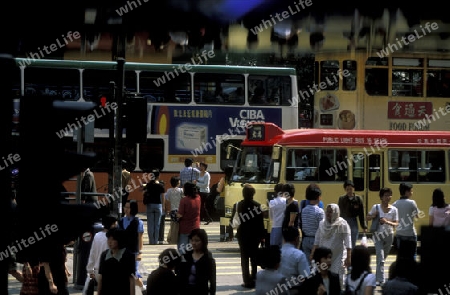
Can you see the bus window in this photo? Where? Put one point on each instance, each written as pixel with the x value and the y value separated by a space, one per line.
pixel 358 171
pixel 374 172
pixel 416 166
pixel 376 82
pixel 436 171
pixel 331 166
pixel 438 83
pixel 159 87
pixel 377 61
pixel 253 165
pixel 220 88
pixel 349 75
pixel 299 165
pixel 315 165
pixel 64 83
pixel 407 83
pixel 272 90
pixel 151 154
pixel 329 69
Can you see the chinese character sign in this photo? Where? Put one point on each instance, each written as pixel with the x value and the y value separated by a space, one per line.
pixel 409 109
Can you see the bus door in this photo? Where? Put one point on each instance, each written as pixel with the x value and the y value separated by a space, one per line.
pixel 367 174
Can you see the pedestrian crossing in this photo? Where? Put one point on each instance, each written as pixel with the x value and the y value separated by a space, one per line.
pixel 228 263
pixel 226 253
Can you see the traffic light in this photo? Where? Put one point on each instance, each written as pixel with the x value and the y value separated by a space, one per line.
pixel 44 164
pixel 104 111
pixel 136 118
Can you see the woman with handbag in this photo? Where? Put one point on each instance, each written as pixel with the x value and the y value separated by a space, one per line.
pixel 384 218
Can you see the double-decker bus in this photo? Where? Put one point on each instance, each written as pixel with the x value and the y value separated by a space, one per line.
pixel 373 90
pixel 371 158
pixel 193 110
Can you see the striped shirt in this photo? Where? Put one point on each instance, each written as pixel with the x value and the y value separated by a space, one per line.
pixel 311 216
pixel 188 174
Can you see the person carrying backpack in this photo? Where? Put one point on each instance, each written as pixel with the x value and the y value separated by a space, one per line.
pixel 361 280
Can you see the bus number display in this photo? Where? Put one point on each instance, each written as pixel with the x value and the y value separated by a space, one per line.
pixel 256 133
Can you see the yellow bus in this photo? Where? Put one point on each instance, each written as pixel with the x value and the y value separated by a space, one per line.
pixel 371 158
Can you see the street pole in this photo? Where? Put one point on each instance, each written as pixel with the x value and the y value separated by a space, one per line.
pixel 112 143
pixel 76 257
pixel 119 131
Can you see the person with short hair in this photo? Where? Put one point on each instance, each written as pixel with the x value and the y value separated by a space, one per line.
pixel 99 245
pixel 173 197
pixel 155 202
pixel 203 183
pixel 133 228
pixel 163 279
pixel 250 234
pixel 406 234
pixel 189 173
pixel 197 273
pixel 384 236
pixel 292 209
pixel 188 214
pixel 294 264
pixel 117 266
pixel 311 216
pixel 352 208
pixel 402 273
pixel 277 206
pixel 270 278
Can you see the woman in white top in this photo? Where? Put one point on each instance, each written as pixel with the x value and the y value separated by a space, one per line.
pixel 203 183
pixel 334 233
pixel 384 236
pixel 99 244
pixel 173 197
pixel 361 279
pixel 439 211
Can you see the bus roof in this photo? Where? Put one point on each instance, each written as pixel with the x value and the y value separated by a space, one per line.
pixel 134 66
pixel 358 138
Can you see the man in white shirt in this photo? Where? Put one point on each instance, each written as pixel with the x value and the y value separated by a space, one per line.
pixel 99 245
pixel 277 206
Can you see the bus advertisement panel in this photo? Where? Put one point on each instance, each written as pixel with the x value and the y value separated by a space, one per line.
pixel 193 130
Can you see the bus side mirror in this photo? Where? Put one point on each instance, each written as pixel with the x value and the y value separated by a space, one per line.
pixel 228 173
pixel 276 152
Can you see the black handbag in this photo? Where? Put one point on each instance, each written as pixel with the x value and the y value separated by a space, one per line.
pixel 376 221
pixel 91 286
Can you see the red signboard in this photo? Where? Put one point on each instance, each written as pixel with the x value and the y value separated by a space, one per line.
pixel 409 109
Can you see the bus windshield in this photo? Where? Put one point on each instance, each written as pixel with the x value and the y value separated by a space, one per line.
pixel 252 165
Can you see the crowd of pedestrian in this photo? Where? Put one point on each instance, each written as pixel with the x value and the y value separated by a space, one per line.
pixel 312 247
